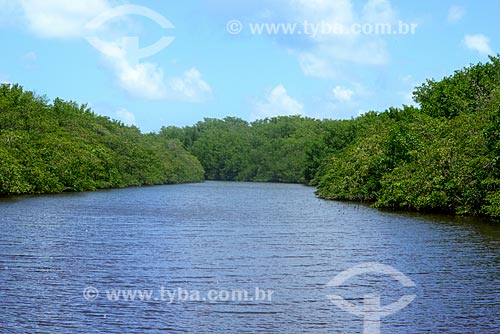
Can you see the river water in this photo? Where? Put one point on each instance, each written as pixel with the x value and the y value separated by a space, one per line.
pixel 220 257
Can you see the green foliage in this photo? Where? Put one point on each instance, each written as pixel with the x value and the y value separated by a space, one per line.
pixel 354 173
pixel 442 157
pixel 467 91
pixel 231 149
pixel 63 146
pixel 446 171
pixel 330 137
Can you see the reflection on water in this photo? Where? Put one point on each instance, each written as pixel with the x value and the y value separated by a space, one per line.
pixel 236 236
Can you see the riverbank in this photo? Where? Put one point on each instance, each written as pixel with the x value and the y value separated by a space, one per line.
pixel 438 157
pixel 59 146
pixel 442 156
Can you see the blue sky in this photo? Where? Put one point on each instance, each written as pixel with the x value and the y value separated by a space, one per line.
pixel 212 69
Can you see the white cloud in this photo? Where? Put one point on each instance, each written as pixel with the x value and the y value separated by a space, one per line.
pixel 456 13
pixel 61 18
pixel 378 11
pixel 316 12
pixel 147 80
pixel 314 65
pixel 342 94
pixel 125 116
pixel 189 87
pixel 277 103
pixel 479 43
pixel 329 53
pixel 144 80
pixel 68 19
pixel 339 11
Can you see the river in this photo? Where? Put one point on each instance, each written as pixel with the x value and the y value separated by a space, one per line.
pixel 221 257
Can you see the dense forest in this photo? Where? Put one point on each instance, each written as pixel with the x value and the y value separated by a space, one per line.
pixel 62 146
pixel 443 155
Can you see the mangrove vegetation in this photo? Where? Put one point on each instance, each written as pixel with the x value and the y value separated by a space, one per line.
pixel 51 147
pixel 443 154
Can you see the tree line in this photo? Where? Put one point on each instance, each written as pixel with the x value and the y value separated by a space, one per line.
pixel 443 155
pixel 52 147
